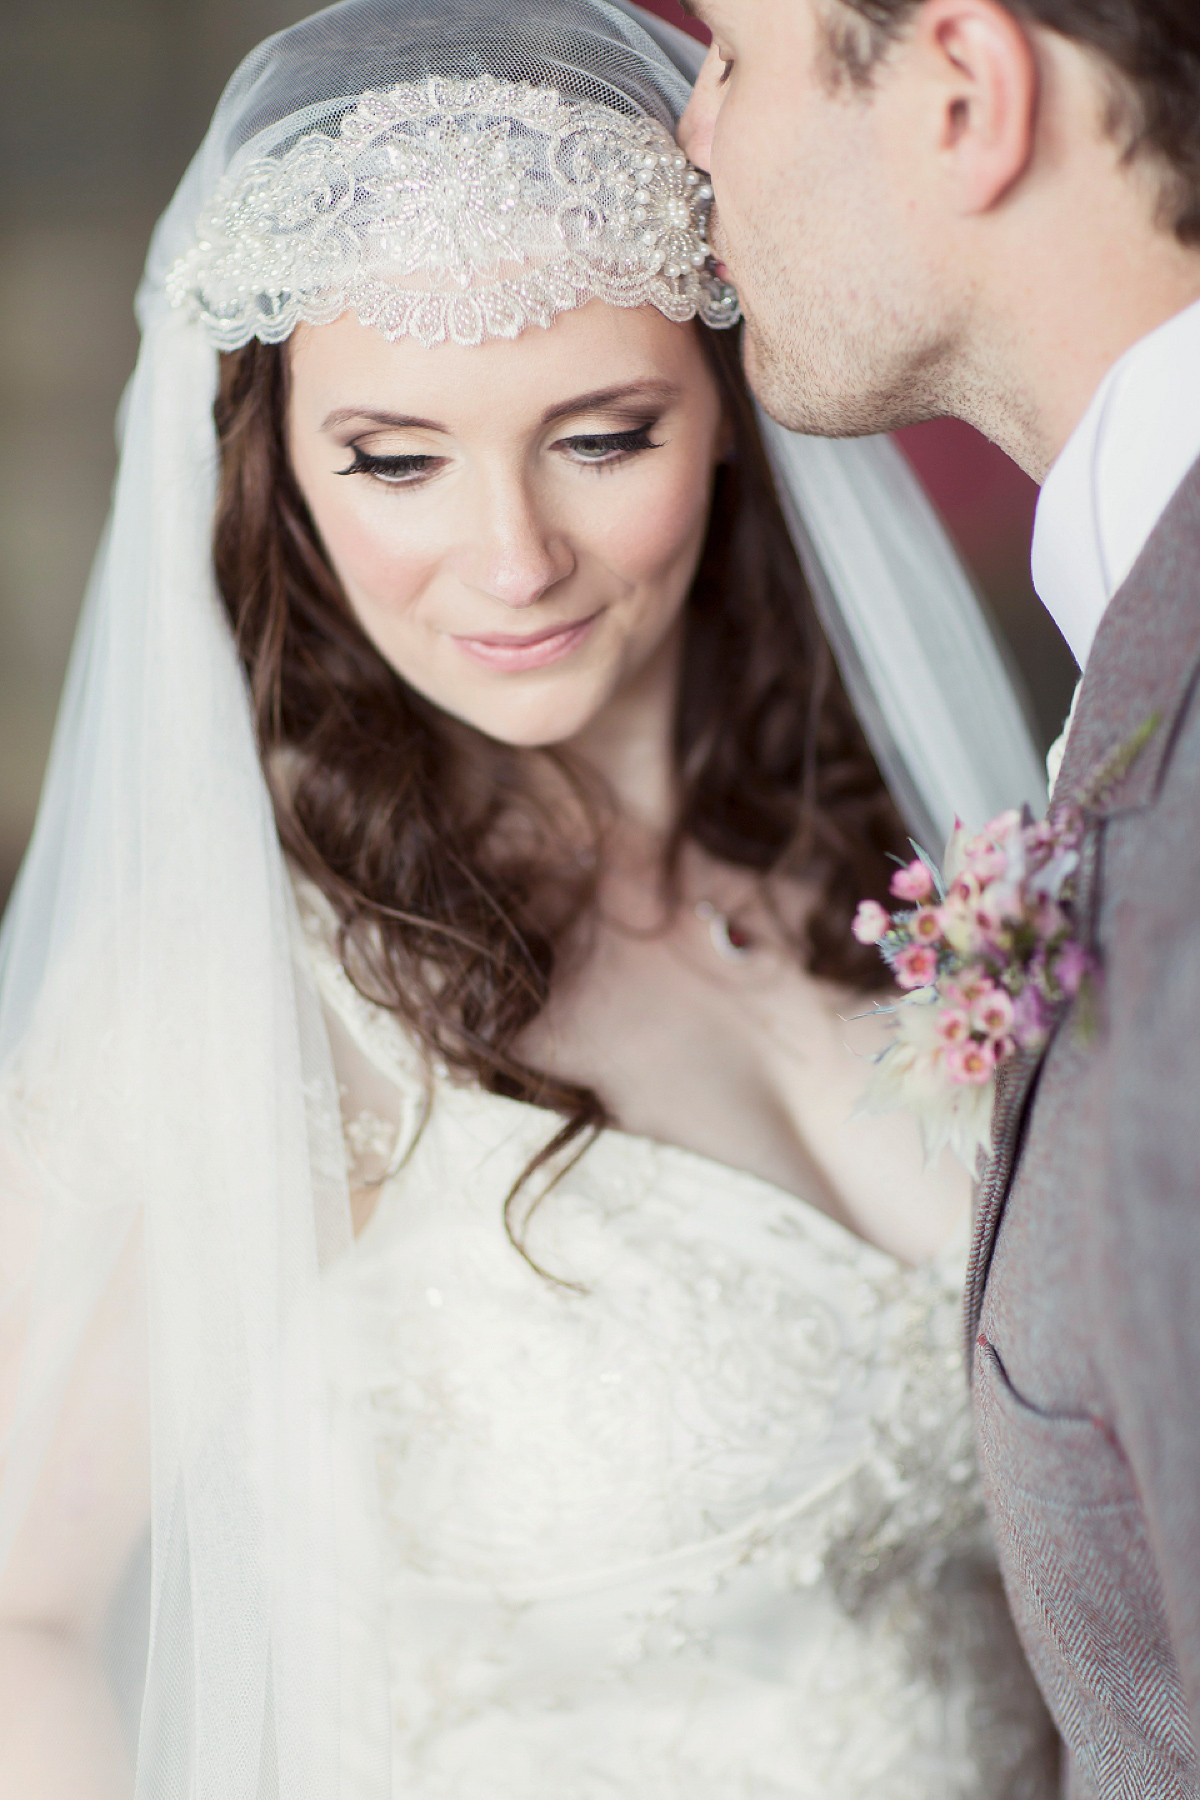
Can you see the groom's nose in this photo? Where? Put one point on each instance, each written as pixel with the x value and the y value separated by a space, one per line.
pixel 700 115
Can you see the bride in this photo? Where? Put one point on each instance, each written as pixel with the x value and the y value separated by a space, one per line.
pixel 455 1343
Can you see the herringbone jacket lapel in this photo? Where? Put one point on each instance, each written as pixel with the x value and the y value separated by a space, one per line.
pixel 1142 667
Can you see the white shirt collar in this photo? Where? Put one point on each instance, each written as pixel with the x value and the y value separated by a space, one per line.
pixel 1114 478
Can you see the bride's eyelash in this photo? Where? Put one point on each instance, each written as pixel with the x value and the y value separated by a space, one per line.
pixel 601 449
pixel 604 448
pixel 394 471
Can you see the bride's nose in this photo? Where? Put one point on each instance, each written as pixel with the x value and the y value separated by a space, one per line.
pixel 514 554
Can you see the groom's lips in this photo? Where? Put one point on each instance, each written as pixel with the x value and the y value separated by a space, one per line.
pixel 715 235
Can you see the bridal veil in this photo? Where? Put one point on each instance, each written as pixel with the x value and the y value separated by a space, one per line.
pixel 171 1168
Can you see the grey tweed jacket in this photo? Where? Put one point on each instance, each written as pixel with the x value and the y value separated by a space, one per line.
pixel 1083 1307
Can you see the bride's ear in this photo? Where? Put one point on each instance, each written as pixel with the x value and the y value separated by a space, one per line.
pixel 978 73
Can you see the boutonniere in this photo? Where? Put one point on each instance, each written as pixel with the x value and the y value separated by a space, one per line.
pixel 986 954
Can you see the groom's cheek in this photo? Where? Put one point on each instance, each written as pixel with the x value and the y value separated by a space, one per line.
pixel 750 146
pixel 772 101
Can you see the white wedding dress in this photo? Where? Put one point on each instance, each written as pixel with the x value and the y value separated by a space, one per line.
pixel 703 1526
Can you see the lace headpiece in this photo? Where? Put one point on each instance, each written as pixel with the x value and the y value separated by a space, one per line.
pixel 455 210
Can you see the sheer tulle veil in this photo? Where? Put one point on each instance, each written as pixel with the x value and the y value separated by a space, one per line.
pixel 171 1186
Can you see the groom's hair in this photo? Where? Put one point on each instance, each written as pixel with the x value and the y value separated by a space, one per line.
pixel 1151 47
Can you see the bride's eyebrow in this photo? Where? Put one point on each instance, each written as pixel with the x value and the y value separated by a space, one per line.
pixel 614 399
pixel 610 399
pixel 343 415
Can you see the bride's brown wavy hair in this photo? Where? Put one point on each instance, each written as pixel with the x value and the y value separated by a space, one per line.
pixel 402 817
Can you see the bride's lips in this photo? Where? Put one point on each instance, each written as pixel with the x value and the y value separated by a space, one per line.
pixel 535 650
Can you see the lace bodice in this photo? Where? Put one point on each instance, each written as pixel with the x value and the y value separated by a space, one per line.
pixel 703 1523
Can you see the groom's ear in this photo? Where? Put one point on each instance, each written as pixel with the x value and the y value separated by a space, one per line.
pixel 977 72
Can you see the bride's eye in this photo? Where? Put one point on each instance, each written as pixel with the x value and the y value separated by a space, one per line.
pixel 394 471
pixel 606 447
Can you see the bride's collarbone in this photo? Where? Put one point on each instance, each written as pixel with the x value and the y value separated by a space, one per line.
pixel 752 1062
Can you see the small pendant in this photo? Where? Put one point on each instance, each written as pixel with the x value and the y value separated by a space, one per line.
pixel 728 939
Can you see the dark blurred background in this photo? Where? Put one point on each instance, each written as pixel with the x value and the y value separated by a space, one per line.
pixel 102 102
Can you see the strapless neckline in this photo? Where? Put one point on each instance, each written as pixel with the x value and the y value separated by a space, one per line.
pixel 696 1519
pixel 383 1039
pixel 712 1172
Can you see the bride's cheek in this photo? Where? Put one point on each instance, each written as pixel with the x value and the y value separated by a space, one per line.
pixel 383 564
pixel 661 530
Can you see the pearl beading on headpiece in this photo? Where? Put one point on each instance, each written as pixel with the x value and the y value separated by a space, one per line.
pixel 459 211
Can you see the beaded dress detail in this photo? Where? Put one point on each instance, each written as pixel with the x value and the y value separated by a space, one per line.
pixel 703 1526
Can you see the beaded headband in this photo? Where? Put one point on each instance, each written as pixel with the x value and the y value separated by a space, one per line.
pixel 458 211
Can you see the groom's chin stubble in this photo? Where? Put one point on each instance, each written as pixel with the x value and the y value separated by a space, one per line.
pixel 797 392
pixel 773 393
pixel 833 345
pixel 810 381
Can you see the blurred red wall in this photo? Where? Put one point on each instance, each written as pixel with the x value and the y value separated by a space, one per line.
pixel 675 15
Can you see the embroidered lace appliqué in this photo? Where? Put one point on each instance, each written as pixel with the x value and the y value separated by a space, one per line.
pixel 706 1523
pixel 455 211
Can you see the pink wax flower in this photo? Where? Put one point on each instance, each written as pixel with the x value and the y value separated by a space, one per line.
pixel 927 925
pixel 915 966
pixel 990 960
pixel 988 964
pixel 992 1013
pixel 913 883
pixel 871 922
pixel 1004 826
pixel 986 863
pixel 988 919
pixel 971 1063
pixel 998 907
pixel 953 1024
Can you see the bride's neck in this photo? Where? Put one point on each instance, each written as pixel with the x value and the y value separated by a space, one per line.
pixel 630 745
pixel 607 799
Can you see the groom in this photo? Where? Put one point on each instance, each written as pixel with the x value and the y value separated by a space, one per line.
pixel 991 209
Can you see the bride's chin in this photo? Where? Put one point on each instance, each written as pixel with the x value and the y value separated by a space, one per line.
pixel 548 723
